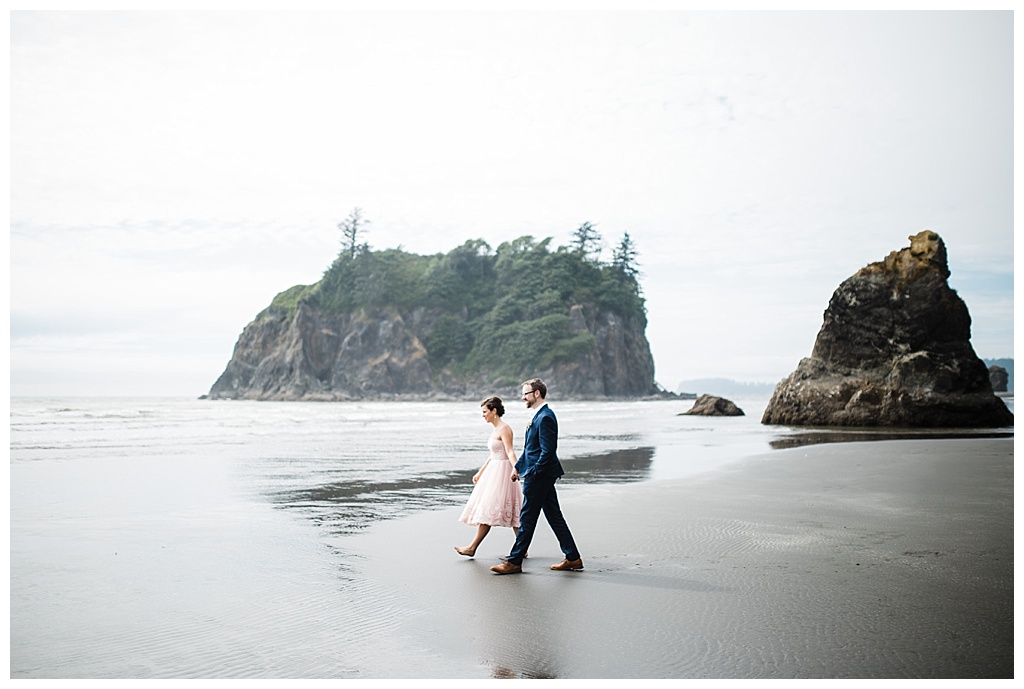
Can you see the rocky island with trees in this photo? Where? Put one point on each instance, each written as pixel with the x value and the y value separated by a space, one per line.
pixel 474 321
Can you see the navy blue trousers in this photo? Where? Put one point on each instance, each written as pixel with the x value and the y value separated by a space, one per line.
pixel 539 496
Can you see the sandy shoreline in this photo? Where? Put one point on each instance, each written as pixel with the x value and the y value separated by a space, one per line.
pixel 863 560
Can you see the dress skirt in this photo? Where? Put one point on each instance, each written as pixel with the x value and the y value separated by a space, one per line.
pixel 496 498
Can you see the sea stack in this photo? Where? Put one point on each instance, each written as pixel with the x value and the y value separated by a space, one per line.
pixel 709 405
pixel 894 350
pixel 393 325
pixel 999 377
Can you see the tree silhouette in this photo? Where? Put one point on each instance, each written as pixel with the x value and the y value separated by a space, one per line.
pixel 624 257
pixel 586 241
pixel 351 228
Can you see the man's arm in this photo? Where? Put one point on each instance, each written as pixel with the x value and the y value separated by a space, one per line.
pixel 547 434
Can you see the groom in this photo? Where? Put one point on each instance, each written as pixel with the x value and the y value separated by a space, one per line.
pixel 539 468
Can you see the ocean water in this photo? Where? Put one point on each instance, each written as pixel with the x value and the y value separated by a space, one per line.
pixel 185 538
pixel 342 465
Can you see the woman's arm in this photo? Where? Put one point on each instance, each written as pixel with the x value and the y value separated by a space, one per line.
pixel 506 438
pixel 480 472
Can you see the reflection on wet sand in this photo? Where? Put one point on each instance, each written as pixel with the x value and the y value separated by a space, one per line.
pixel 499 672
pixel 620 466
pixel 351 506
pixel 849 435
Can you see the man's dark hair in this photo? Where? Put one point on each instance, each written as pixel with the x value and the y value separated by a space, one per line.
pixel 538 385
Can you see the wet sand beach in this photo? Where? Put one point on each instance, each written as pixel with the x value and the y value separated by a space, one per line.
pixel 888 559
pixel 174 539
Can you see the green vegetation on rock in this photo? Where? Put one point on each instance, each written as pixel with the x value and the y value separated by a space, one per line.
pixel 500 311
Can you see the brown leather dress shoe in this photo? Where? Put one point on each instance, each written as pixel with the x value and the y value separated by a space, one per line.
pixel 507 568
pixel 567 565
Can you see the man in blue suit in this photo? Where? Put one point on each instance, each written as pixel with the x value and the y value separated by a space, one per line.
pixel 539 468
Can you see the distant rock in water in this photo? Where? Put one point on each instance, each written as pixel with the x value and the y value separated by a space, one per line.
pixel 709 405
pixel 894 350
pixel 998 376
pixel 1006 365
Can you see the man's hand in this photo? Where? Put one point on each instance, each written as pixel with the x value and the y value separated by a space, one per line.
pixel 515 475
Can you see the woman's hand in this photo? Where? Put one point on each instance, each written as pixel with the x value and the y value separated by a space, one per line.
pixel 476 477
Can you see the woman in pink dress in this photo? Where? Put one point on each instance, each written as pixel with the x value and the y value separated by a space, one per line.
pixel 496 498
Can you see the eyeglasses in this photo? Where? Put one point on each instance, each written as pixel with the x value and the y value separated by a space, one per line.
pixel 527 394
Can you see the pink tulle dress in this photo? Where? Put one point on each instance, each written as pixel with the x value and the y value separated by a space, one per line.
pixel 496 498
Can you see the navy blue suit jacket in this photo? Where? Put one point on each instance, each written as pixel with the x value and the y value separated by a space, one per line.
pixel 540 448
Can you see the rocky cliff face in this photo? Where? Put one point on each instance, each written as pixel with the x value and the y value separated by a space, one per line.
pixel 307 355
pixel 619 365
pixel 894 350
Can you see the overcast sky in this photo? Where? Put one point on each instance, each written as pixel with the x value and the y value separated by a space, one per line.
pixel 172 172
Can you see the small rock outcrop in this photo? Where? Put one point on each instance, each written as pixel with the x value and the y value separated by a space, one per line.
pixel 894 350
pixel 999 377
pixel 709 405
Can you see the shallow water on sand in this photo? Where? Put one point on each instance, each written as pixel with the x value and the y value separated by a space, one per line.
pixel 186 538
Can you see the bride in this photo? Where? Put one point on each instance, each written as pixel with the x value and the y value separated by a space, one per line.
pixel 496 498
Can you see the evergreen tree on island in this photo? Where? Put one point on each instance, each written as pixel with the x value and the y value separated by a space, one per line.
pixel 351 228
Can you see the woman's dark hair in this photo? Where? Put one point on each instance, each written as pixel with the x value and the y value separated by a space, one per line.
pixel 495 404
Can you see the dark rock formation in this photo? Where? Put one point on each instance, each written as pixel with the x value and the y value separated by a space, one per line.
pixel 999 378
pixel 709 405
pixel 894 350
pixel 307 355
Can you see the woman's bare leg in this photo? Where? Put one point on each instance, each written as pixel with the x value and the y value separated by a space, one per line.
pixel 470 550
